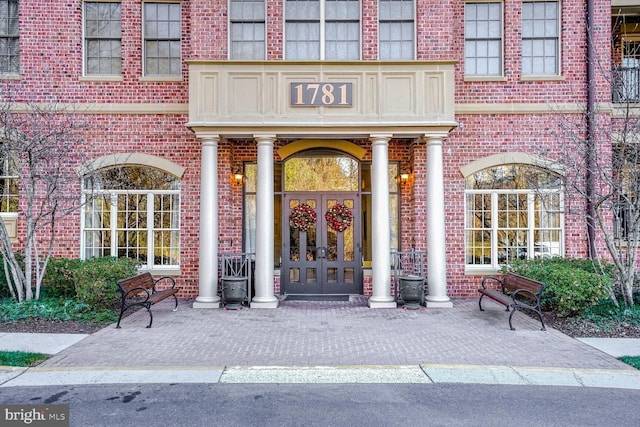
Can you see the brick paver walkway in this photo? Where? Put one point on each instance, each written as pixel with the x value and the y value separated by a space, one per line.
pixel 302 333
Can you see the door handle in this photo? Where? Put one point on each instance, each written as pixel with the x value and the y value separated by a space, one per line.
pixel 321 253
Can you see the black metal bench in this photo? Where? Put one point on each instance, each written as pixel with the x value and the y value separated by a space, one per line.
pixel 141 290
pixel 515 292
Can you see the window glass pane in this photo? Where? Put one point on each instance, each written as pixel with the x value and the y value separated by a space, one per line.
pixel 326 173
pixel 306 22
pixel 163 44
pixel 512 212
pixel 247 29
pixel 396 29
pixel 102 28
pixel 540 39
pixel 483 39
pixel 138 205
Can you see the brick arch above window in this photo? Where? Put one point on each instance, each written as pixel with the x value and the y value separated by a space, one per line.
pixel 132 159
pixel 511 158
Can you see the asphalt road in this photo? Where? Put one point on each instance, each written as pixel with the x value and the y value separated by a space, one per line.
pixel 352 405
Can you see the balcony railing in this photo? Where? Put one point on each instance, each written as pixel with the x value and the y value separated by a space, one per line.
pixel 625 84
pixel 625 220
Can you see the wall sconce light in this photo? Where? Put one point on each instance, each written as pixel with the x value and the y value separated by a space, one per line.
pixel 404 177
pixel 237 176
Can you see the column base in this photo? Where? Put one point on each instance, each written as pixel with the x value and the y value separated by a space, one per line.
pixel 212 304
pixel 382 303
pixel 266 303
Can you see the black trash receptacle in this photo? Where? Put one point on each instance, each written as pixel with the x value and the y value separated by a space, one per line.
pixel 234 292
pixel 412 291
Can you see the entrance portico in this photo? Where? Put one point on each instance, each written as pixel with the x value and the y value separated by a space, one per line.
pixel 412 101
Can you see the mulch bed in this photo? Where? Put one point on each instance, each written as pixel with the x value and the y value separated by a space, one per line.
pixel 43 326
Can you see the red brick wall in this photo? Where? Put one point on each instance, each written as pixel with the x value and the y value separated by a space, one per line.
pixel 51 70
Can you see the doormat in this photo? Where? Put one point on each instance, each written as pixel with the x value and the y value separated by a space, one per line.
pixel 317 298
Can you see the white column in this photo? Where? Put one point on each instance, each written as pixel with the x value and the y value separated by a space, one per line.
pixel 436 243
pixel 208 242
pixel 264 297
pixel 380 224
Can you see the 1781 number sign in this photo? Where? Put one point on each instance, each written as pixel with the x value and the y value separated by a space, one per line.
pixel 313 94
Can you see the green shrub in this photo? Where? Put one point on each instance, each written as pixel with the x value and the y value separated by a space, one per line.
pixel 59 279
pixel 572 285
pixel 96 280
pixel 60 309
pixel 19 358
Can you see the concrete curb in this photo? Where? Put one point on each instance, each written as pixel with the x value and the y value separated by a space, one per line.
pixel 414 374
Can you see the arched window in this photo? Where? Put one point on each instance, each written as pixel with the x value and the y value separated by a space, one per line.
pixel 512 211
pixel 133 211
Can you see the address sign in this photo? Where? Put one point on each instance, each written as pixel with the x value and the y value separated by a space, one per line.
pixel 317 94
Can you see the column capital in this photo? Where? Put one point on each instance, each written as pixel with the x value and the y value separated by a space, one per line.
pixel 208 137
pixel 264 138
pixel 435 137
pixel 380 137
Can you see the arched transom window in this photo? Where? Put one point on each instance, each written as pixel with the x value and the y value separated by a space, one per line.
pixel 512 212
pixel 133 211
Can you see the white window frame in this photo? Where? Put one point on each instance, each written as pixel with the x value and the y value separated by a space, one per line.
pixel 9 57
pixel 322 23
pixel 145 71
pixel 244 21
pixel 495 264
pixel 557 38
pixel 86 39
pixel 113 228
pixel 414 41
pixel 500 39
pixel 9 174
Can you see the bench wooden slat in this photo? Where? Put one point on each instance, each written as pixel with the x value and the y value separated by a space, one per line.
pixel 512 289
pixel 141 290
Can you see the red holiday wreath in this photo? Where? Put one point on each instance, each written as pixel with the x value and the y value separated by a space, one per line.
pixel 339 217
pixel 302 217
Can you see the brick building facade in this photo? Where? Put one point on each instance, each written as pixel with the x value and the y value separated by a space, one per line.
pixel 435 109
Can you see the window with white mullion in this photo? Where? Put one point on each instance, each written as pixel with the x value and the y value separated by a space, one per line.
pixel 9 41
pixel 396 32
pixel 322 29
pixel 302 29
pixel 9 179
pixel 342 29
pixel 165 230
pixel 540 38
pixel 113 224
pixel 162 39
pixel 512 212
pixel 102 38
pixel 483 39
pixel 97 235
pixel 247 32
pixel 133 212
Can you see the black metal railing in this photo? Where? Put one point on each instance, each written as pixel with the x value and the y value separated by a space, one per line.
pixel 625 84
pixel 407 263
pixel 237 265
pixel 625 220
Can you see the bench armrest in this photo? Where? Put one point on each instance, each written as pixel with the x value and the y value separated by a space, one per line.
pixel 135 291
pixel 497 279
pixel 526 294
pixel 169 278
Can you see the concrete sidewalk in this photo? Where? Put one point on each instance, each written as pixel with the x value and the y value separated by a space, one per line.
pixel 305 341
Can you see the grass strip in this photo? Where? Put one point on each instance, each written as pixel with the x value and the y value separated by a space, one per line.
pixel 631 360
pixel 19 358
